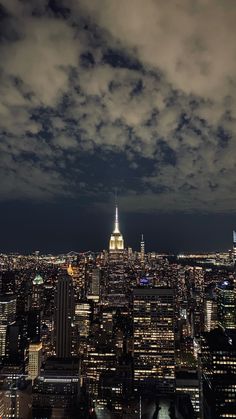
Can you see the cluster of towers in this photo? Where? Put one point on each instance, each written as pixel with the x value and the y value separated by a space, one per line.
pixel 122 327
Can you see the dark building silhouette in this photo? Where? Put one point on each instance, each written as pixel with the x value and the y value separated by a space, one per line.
pixel 7 282
pixel 64 314
pixel 56 390
pixel 34 324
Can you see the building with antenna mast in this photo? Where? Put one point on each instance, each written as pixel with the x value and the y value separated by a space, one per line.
pixel 116 240
pixel 116 286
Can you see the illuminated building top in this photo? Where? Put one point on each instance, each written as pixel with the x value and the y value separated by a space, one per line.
pixel 70 270
pixel 116 240
pixel 38 280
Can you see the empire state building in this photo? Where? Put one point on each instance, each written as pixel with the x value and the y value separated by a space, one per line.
pixel 116 241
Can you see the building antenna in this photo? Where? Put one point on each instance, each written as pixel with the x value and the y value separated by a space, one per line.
pixel 116 199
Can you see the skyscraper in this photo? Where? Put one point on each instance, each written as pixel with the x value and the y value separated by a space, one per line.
pixel 116 240
pixel 7 317
pixel 35 359
pixel 142 249
pixel 56 390
pixel 218 368
pixel 116 287
pixel 226 305
pixel 64 313
pixel 94 285
pixel 154 350
pixel 37 291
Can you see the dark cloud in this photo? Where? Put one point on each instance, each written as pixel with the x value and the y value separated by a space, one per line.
pixel 138 96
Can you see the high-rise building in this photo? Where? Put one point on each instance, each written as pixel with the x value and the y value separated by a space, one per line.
pixel 218 368
pixel 15 394
pixel 35 360
pixel 142 249
pixel 226 305
pixel 154 348
pixel 7 318
pixel 94 286
pixel 187 382
pixel 56 390
pixel 37 292
pixel 116 240
pixel 116 286
pixel 100 357
pixel 63 316
pixel 195 277
pixel 210 314
pixel 83 318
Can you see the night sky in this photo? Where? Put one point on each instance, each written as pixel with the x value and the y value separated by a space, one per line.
pixel 130 95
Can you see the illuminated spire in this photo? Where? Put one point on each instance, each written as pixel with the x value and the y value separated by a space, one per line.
pixel 116 227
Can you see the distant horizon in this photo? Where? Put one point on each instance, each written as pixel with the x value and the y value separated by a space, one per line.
pixel 95 105
pixel 66 252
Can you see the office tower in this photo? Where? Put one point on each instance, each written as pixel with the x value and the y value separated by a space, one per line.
pixel 83 318
pixel 187 382
pixel 79 275
pixel 94 286
pixel 142 250
pixel 37 292
pixel 226 300
pixel 210 314
pixel 107 316
pixel 7 318
pixel 154 349
pixel 100 357
pixel 116 388
pixel 218 369
pixel 35 360
pixel 15 395
pixel 64 315
pixel 196 286
pixel 56 390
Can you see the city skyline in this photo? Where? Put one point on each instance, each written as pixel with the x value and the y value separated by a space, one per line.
pixel 164 237
pixel 117 209
pixel 118 333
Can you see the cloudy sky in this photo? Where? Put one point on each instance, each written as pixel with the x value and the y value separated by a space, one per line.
pixel 133 95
